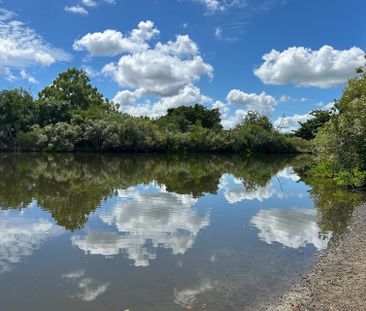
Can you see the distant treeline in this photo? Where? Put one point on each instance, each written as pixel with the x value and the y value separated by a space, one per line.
pixel 71 115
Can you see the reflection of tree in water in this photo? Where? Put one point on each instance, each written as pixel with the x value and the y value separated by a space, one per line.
pixel 335 205
pixel 71 186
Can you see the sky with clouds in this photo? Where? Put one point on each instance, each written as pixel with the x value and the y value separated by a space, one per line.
pixel 282 58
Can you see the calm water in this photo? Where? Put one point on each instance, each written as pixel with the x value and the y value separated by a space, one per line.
pixel 145 233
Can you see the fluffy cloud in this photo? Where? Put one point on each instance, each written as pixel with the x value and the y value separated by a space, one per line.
pixel 182 46
pixel 111 42
pixel 291 123
pixel 243 103
pixel 154 77
pixel 262 103
pixel 157 73
pixel 21 47
pixel 292 228
pixel 187 96
pixel 229 121
pixel 147 220
pixel 322 68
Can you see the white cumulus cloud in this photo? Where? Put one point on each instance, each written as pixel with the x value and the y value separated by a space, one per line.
pixel 288 124
pixel 326 67
pixel 154 77
pixel 261 103
pixel 187 96
pixel 111 42
pixel 157 73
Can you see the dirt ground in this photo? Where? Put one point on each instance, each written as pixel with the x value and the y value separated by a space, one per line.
pixel 337 282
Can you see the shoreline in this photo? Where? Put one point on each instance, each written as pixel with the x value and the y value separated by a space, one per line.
pixel 337 280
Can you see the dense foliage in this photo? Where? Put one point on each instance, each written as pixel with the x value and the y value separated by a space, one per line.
pixel 183 119
pixel 310 128
pixel 341 142
pixel 71 115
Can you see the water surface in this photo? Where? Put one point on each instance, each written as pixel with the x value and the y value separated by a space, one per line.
pixel 145 233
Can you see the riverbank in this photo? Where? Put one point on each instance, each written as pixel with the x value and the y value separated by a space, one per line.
pixel 338 279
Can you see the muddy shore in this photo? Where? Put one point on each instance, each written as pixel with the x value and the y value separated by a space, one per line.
pixel 337 281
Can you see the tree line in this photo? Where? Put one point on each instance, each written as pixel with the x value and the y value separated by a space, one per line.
pixel 72 115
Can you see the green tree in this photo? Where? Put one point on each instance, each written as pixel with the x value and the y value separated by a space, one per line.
pixel 341 142
pixel 17 113
pixel 52 112
pixel 184 117
pixel 310 128
pixel 73 86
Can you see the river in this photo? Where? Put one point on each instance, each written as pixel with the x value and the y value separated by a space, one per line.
pixel 153 232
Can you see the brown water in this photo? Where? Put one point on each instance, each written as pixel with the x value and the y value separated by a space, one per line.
pixel 146 233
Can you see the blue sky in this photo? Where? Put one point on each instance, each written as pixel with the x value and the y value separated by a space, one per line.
pixel 150 55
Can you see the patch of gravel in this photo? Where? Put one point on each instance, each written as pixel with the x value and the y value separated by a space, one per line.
pixel 337 281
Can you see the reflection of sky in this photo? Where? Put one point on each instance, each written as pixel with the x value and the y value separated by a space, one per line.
pixel 292 228
pixel 186 297
pixel 145 219
pixel 20 236
pixel 88 289
pixel 288 173
pixel 234 190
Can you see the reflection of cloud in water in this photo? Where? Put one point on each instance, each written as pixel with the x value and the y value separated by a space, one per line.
pixel 89 289
pixel 187 297
pixel 294 228
pixel 111 244
pixel 20 237
pixel 234 190
pixel 147 219
pixel 288 173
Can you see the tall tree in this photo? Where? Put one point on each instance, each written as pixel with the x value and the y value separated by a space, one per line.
pixel 73 86
pixel 17 113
